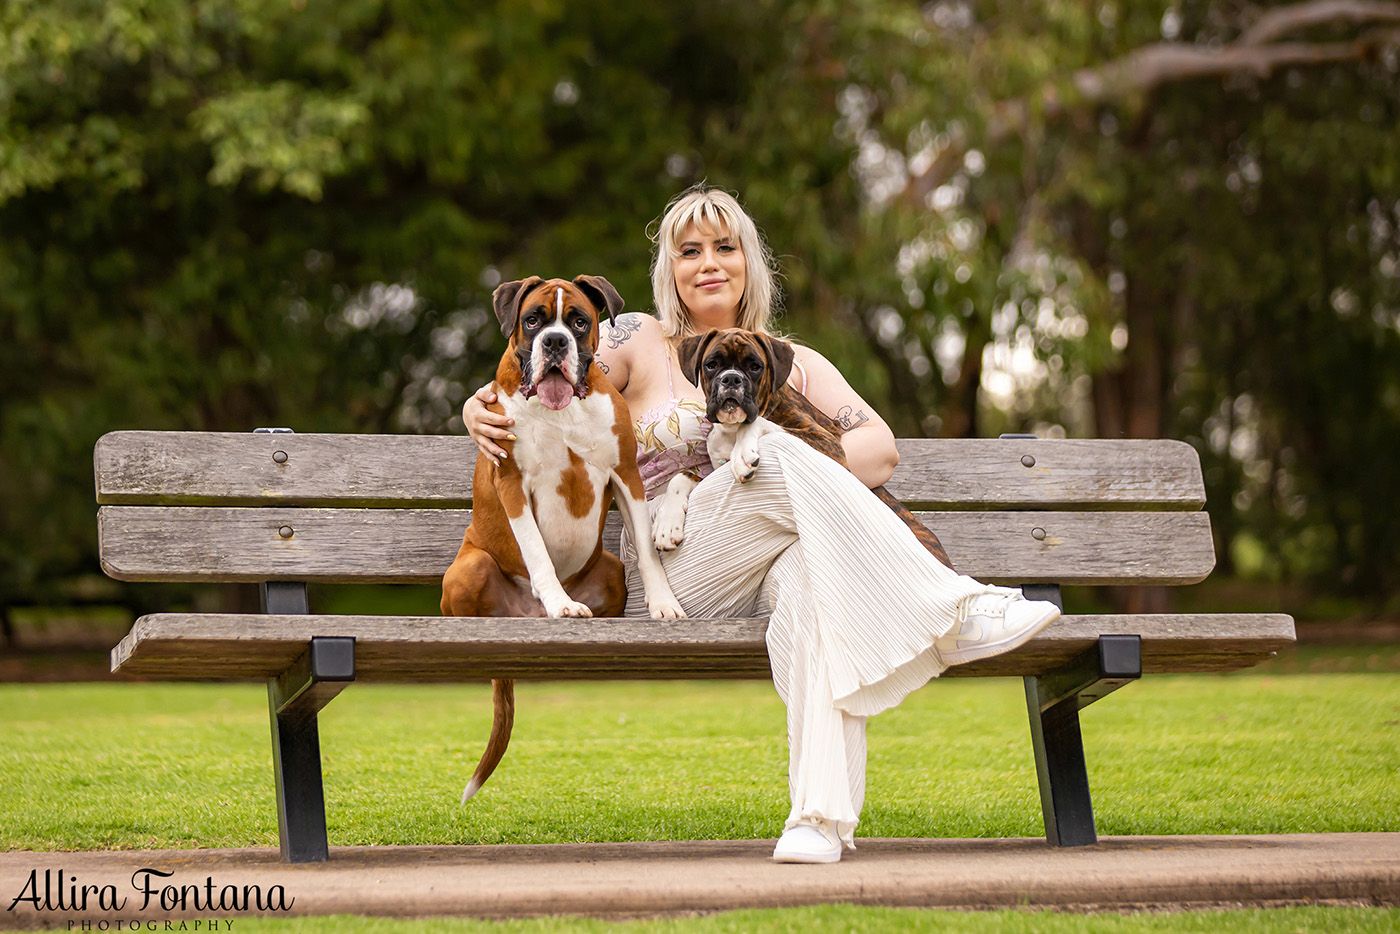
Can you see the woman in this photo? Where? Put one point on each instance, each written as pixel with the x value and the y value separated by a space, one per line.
pixel 803 541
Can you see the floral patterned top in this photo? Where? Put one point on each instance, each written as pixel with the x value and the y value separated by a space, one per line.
pixel 671 440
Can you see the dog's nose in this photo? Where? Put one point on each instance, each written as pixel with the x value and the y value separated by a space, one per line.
pixel 555 342
pixel 731 379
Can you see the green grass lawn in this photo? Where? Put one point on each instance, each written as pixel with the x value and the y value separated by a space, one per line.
pixel 130 766
pixel 1278 750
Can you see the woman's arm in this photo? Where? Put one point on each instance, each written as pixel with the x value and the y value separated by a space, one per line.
pixel 868 441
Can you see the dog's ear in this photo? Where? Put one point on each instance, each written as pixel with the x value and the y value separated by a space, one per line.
pixel 780 357
pixel 507 299
pixel 692 352
pixel 602 294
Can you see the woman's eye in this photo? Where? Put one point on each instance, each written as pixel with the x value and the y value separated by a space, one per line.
pixel 726 248
pixel 690 253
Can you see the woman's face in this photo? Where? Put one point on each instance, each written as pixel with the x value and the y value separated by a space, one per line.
pixel 710 276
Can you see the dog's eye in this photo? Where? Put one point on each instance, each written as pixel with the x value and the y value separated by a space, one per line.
pixel 532 321
pixel 580 324
pixel 711 366
pixel 755 366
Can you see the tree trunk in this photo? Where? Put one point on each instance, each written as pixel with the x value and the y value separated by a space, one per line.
pixel 959 412
pixel 1129 402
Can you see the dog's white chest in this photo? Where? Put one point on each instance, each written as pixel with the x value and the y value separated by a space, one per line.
pixel 566 459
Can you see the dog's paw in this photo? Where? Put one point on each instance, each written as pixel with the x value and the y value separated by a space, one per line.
pixel 744 469
pixel 668 529
pixel 567 608
pixel 666 609
pixel 668 538
pixel 745 458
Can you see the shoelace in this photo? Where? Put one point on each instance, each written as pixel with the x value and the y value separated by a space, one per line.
pixel 968 607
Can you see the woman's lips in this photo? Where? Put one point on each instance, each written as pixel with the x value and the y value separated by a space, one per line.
pixel 711 285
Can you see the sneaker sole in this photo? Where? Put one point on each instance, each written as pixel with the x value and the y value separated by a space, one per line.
pixel 963 656
pixel 807 857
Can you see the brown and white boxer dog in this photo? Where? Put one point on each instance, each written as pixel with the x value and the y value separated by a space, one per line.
pixel 535 543
pixel 745 379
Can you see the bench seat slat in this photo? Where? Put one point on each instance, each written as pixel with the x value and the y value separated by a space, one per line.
pixel 173 646
pixel 237 468
pixel 214 544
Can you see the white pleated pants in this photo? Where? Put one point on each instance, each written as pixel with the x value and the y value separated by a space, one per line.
pixel 855 604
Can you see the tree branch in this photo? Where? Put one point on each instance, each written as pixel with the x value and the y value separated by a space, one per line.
pixel 1280 21
pixel 1145 69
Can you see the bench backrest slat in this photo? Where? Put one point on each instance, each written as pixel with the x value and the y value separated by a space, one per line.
pixel 195 543
pixel 223 468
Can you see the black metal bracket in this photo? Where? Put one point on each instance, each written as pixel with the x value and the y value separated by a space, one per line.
pixel 1054 701
pixel 323 671
pixel 1050 592
pixel 284 598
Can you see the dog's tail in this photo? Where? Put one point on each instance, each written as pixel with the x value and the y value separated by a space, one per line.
pixel 921 531
pixel 503 697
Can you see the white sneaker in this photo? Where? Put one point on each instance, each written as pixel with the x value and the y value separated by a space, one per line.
pixel 811 841
pixel 994 622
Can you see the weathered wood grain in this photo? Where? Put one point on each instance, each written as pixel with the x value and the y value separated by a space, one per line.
pixel 1047 474
pixel 170 646
pixel 228 468
pixel 199 543
pixel 221 468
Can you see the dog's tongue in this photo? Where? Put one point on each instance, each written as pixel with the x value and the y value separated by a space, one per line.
pixel 555 391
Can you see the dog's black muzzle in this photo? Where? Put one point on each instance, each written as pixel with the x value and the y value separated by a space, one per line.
pixel 729 390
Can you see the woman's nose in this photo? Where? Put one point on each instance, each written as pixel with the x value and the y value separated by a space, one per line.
pixel 708 259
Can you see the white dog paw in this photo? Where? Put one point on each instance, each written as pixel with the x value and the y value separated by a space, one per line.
pixel 568 608
pixel 743 467
pixel 668 529
pixel 666 609
pixel 667 539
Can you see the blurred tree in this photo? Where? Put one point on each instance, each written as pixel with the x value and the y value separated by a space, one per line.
pixel 234 213
pixel 1110 218
pixel 1155 220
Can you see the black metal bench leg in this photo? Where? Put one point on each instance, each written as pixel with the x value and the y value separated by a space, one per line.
pixel 294 699
pixel 1062 772
pixel 1054 702
pixel 301 802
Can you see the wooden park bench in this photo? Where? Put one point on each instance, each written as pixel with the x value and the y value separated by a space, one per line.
pixel 282 509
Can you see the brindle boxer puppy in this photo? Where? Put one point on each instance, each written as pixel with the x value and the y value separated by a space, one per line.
pixel 745 379
pixel 535 543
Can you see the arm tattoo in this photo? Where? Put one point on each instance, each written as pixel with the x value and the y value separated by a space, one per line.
pixel 620 330
pixel 602 366
pixel 851 420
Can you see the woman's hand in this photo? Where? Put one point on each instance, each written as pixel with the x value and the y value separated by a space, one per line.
pixel 485 426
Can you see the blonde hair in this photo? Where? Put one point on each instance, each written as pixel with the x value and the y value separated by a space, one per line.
pixel 717 211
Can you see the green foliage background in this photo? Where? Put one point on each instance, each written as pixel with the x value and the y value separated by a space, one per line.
pixel 226 214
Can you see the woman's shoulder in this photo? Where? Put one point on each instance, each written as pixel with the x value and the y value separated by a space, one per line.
pixel 813 364
pixel 630 329
pixel 628 343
